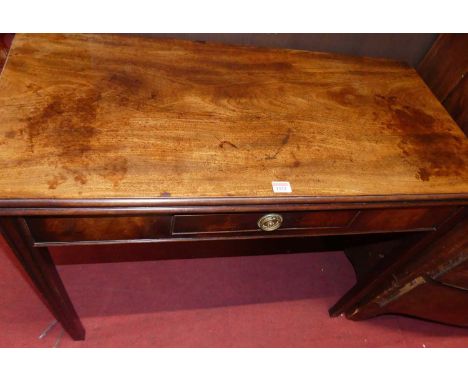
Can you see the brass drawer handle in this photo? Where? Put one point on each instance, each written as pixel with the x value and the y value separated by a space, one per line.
pixel 270 222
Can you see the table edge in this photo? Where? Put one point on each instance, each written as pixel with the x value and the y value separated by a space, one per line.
pixel 222 201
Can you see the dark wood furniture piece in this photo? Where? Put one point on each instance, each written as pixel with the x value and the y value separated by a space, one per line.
pixel 434 284
pixel 444 69
pixel 123 140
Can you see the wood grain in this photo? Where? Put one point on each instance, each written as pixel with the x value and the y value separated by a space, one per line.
pixel 108 116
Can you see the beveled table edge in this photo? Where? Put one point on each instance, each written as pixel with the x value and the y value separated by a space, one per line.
pixel 222 201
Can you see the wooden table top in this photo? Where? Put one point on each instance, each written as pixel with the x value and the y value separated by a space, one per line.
pixel 108 116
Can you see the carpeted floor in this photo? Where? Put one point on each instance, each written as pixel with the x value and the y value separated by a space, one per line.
pixel 264 301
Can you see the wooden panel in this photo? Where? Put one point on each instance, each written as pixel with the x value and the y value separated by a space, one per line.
pixel 458 276
pixel 105 253
pixel 104 116
pixel 453 270
pixel 408 47
pixel 63 229
pixel 3 56
pixel 444 69
pixel 445 64
pixel 148 227
pixel 5 42
pixel 401 219
pixel 366 257
pixel 393 278
pixel 434 302
pixel 457 104
pixel 216 223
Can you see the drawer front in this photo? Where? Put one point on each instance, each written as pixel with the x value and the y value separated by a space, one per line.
pixel 158 227
pixel 68 229
pixel 402 219
pixel 247 223
pixel 314 222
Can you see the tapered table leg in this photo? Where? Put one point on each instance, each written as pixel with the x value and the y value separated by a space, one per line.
pixel 42 271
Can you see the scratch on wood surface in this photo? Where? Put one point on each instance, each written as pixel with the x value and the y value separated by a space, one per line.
pixel 284 142
pixel 227 143
pixel 401 291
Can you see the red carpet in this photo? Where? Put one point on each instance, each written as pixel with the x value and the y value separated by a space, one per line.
pixel 264 301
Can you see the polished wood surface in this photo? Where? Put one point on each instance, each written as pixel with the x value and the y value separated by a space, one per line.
pixel 108 139
pixel 107 116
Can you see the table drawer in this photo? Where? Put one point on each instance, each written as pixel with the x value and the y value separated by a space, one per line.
pixel 59 229
pixel 402 219
pixel 249 222
pixel 313 222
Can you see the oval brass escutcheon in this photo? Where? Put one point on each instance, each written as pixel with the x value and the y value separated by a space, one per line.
pixel 270 222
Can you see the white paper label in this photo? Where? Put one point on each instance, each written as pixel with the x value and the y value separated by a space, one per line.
pixel 281 187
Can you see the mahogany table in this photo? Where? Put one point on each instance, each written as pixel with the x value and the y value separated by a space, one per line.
pixel 219 150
